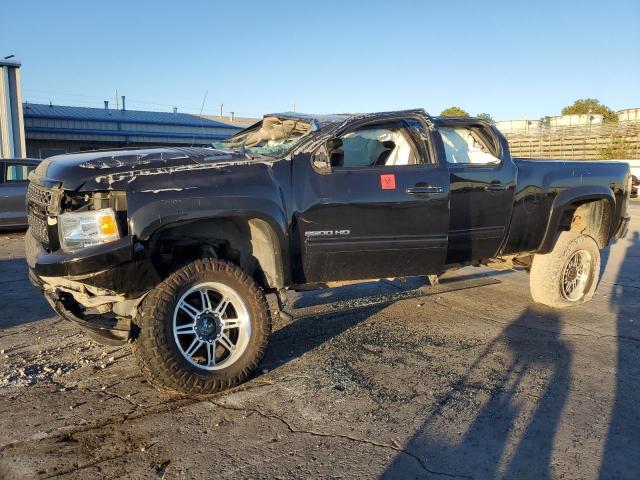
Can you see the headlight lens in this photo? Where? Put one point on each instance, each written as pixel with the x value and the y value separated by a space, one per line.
pixel 84 229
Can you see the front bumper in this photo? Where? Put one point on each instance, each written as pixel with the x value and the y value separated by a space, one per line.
pixel 97 287
pixel 85 261
pixel 121 267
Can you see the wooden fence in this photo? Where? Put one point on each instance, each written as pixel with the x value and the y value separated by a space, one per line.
pixel 618 141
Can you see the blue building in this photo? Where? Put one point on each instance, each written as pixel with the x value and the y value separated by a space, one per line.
pixel 54 129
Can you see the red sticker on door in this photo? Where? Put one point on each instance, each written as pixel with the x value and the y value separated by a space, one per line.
pixel 388 181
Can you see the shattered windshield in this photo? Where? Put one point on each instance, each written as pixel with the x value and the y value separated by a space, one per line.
pixel 272 138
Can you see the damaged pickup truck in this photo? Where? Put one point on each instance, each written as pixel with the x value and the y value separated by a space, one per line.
pixel 174 249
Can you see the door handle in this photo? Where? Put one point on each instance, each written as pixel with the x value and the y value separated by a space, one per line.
pixel 423 190
pixel 496 187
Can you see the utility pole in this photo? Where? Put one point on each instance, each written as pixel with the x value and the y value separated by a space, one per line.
pixel 293 106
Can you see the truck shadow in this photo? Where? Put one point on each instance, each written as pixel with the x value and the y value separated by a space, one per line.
pixel 537 365
pixel 20 302
pixel 504 439
pixel 622 445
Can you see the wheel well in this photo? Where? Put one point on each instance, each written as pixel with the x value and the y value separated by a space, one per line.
pixel 250 243
pixel 592 218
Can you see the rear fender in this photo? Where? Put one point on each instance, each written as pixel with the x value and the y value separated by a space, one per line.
pixel 568 199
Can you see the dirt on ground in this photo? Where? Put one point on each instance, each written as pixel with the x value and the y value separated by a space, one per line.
pixel 466 380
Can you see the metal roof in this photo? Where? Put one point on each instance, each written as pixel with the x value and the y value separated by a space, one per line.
pixel 9 62
pixel 60 112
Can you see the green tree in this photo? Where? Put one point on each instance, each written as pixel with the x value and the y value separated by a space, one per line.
pixel 590 106
pixel 617 149
pixel 453 112
pixel 486 116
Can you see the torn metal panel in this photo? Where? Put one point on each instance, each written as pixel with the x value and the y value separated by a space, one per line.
pixel 87 295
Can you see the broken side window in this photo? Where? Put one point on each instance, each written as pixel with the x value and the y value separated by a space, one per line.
pixel 464 146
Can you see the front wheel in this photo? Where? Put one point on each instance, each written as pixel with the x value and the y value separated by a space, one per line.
pixel 203 329
pixel 568 275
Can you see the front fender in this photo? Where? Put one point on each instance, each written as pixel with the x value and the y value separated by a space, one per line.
pixel 565 200
pixel 156 214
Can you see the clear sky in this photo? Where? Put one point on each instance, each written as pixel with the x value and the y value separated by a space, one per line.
pixel 512 59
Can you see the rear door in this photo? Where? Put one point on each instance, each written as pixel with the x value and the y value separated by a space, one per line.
pixel 13 191
pixel 483 179
pixel 381 212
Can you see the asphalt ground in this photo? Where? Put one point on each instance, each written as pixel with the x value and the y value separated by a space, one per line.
pixel 466 380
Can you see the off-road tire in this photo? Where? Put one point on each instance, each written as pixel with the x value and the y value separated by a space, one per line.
pixel 545 278
pixel 155 348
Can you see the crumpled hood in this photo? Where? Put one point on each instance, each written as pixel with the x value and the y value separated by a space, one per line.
pixel 99 170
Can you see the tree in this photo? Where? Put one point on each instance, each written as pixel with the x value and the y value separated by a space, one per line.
pixel 453 112
pixel 486 116
pixel 617 149
pixel 584 106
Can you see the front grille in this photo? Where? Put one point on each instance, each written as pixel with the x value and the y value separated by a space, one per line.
pixel 39 228
pixel 39 195
pixel 41 202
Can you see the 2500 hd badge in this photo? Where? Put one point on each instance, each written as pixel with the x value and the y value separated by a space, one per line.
pixel 326 233
pixel 174 249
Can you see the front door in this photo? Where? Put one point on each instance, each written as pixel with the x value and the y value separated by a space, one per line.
pixel 382 211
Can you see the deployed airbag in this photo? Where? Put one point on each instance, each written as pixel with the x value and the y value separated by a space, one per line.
pixel 461 146
pixel 274 136
pixel 364 147
pixel 276 129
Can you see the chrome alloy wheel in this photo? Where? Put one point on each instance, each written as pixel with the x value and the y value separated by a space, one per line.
pixel 211 326
pixel 576 276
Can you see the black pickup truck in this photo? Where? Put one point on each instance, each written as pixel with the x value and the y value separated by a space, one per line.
pixel 173 249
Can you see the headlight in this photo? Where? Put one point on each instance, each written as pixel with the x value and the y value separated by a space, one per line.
pixel 84 229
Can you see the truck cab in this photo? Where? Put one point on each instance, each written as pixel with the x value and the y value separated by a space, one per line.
pixel 402 194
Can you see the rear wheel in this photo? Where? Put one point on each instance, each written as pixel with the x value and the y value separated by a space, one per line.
pixel 203 329
pixel 568 275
